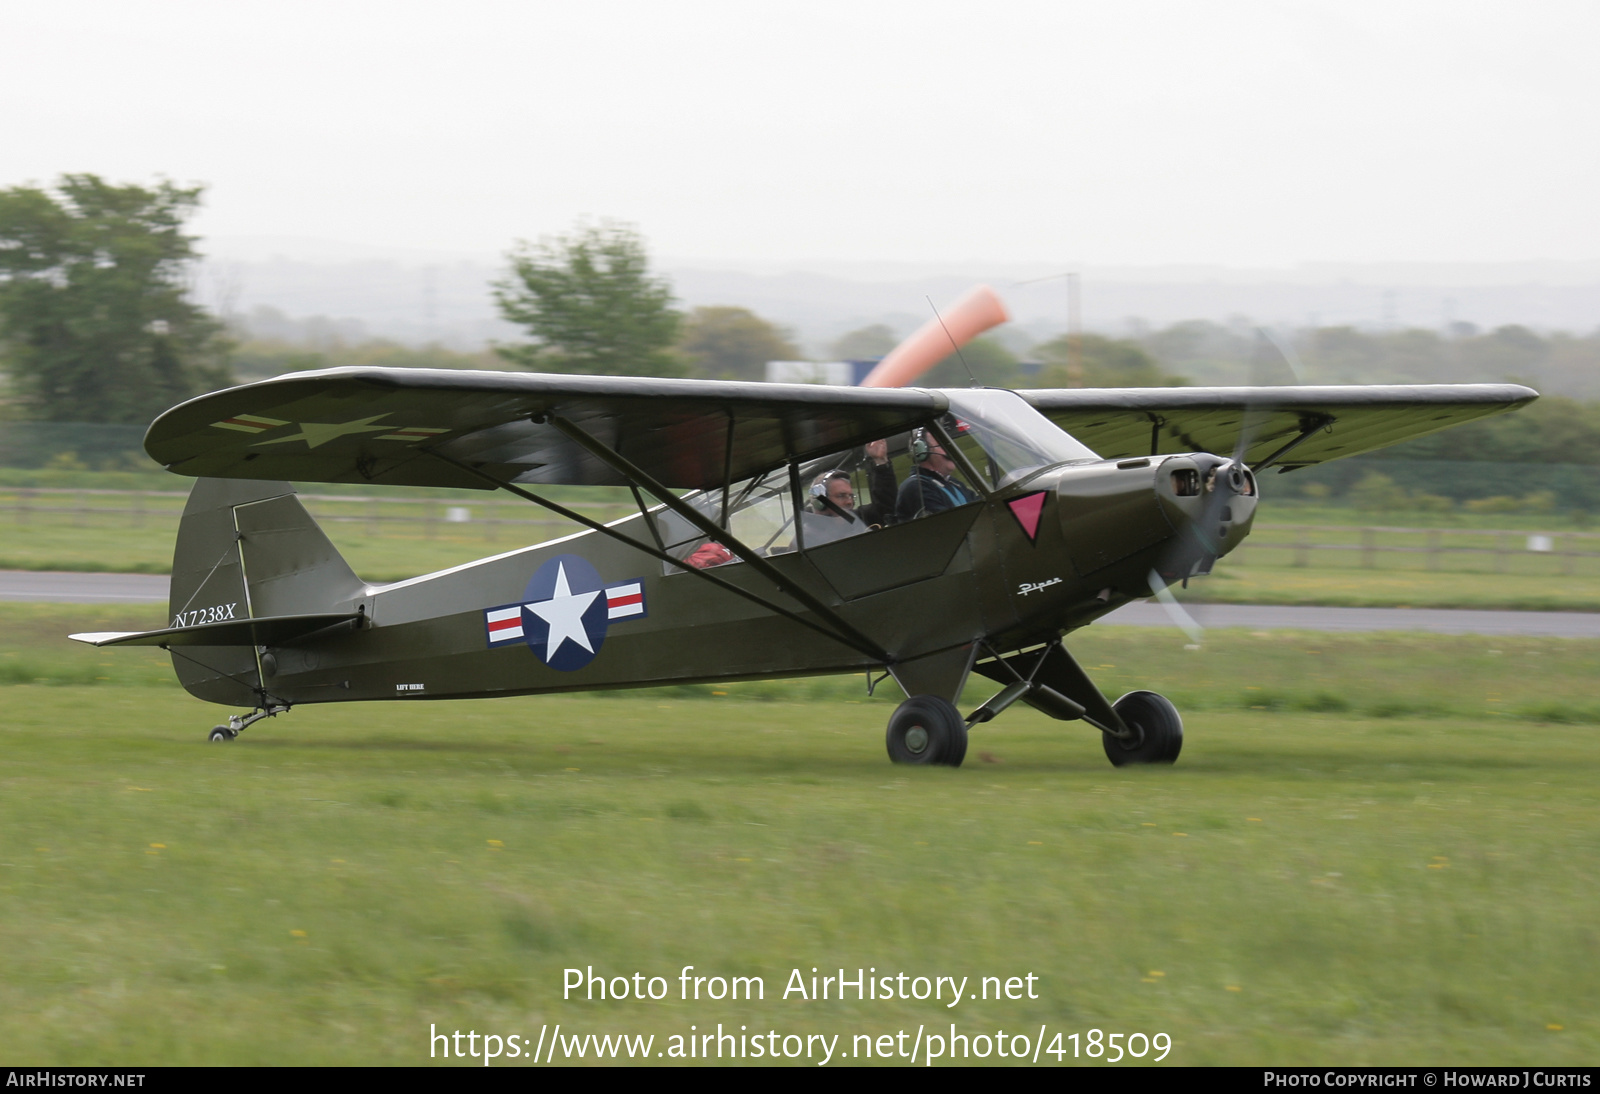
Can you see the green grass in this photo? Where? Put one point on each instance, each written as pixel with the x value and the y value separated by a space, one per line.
pixel 1356 860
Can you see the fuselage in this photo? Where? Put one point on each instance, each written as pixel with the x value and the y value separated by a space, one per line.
pixel 1037 557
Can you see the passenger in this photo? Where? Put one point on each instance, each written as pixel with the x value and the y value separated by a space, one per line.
pixel 930 489
pixel 834 515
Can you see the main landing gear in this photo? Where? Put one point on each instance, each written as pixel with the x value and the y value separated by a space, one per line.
pixel 238 723
pixel 1142 727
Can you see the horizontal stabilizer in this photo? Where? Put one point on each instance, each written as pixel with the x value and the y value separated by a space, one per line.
pixel 277 630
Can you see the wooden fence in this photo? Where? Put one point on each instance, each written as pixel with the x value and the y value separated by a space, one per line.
pixel 376 516
pixel 1293 545
pixel 1473 549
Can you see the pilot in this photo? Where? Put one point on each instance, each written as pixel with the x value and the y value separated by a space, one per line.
pixel 930 488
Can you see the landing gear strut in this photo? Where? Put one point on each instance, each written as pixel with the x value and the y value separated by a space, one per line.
pixel 1140 728
pixel 237 723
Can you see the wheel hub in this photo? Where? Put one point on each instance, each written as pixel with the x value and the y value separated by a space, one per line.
pixel 916 740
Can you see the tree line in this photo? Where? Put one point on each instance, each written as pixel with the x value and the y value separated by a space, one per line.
pixel 96 325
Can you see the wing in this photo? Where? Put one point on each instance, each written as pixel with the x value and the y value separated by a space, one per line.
pixel 415 427
pixel 1305 425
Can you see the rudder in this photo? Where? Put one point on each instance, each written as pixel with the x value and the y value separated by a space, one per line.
pixel 247 548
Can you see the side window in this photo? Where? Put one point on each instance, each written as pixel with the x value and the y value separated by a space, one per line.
pixel 761 516
pixel 977 456
pixel 765 522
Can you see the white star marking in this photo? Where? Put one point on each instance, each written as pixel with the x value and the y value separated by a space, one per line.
pixel 319 433
pixel 564 612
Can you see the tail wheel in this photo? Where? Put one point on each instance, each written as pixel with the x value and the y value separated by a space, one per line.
pixel 926 729
pixel 221 733
pixel 1157 730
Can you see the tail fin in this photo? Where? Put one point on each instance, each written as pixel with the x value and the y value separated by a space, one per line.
pixel 248 549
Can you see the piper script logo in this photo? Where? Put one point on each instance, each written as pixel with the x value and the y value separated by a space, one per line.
pixel 1032 587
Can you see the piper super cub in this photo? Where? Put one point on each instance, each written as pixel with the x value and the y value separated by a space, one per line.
pixel 782 530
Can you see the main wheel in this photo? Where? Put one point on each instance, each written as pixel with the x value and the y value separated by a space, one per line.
pixel 926 729
pixel 221 733
pixel 1158 731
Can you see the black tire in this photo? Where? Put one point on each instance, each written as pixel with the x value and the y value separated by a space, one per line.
pixel 1158 730
pixel 926 729
pixel 221 733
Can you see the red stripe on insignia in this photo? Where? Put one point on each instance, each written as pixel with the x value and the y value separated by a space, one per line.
pixel 624 601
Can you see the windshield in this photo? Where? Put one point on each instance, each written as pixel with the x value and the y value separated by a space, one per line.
pixel 1015 438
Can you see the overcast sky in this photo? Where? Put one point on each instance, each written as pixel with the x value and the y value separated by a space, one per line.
pixel 1234 132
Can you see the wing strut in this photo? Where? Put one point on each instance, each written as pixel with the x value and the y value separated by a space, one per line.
pixel 560 510
pixel 1309 427
pixel 633 473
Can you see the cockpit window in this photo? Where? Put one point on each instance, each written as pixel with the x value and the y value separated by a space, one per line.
pixel 1015 438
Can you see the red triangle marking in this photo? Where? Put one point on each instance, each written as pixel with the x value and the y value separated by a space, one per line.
pixel 1027 510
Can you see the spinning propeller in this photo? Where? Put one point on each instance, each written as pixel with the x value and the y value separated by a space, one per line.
pixel 1225 482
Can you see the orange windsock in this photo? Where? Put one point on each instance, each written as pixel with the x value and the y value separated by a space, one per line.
pixel 967 318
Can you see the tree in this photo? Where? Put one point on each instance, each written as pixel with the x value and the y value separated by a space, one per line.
pixel 865 344
pixel 984 361
pixel 95 324
pixel 591 305
pixel 1107 362
pixel 733 343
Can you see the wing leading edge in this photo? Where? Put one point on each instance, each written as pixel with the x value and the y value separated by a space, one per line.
pixel 1329 423
pixel 376 425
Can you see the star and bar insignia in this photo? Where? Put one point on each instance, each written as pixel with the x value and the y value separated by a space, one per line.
pixel 565 613
pixel 315 434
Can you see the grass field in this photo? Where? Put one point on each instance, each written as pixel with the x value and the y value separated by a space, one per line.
pixel 1374 849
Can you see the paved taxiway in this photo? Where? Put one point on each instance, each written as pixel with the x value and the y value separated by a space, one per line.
pixel 62 588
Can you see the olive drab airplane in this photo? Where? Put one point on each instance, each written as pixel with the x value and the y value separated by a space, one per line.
pixel 1014 519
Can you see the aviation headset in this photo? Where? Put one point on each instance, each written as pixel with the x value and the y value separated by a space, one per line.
pixel 920 450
